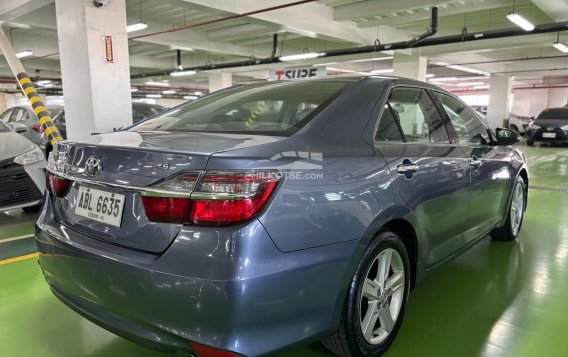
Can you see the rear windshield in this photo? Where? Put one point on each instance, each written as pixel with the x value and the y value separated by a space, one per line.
pixel 279 109
pixel 554 113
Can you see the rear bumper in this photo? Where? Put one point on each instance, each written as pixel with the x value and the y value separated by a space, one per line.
pixel 230 289
pixel 537 135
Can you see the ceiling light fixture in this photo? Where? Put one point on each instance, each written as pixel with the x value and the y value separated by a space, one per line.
pixel 382 71
pixel 301 56
pixel 444 79
pixel 153 96
pixel 559 45
pixel 430 75
pixel 133 90
pixel 190 97
pixel 43 82
pixel 159 84
pixel 520 21
pixel 140 25
pixel 25 53
pixel 467 84
pixel 198 92
pixel 183 73
pixel 136 27
pixel 169 91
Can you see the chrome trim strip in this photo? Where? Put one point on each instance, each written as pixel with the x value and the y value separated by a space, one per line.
pixel 144 191
pixel 218 196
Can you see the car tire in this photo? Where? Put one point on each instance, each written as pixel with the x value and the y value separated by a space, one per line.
pixel 515 214
pixel 514 128
pixel 385 307
pixel 32 209
pixel 530 142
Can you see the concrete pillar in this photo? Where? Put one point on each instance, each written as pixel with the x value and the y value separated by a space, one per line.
pixel 96 88
pixel 499 100
pixel 220 80
pixel 410 64
pixel 3 102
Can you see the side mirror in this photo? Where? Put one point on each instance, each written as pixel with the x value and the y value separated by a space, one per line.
pixel 18 127
pixel 507 137
pixel 398 108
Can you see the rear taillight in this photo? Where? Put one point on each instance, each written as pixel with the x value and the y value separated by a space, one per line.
pixel 207 351
pixel 56 185
pixel 166 209
pixel 37 128
pixel 217 199
pixel 231 198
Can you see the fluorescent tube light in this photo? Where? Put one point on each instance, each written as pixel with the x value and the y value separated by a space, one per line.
pixel 301 56
pixel 430 75
pixel 560 47
pixel 520 21
pixel 382 71
pixel 481 87
pixel 133 90
pixel 467 84
pixel 444 79
pixel 198 92
pixel 136 27
pixel 182 73
pixel 159 84
pixel 169 91
pixel 25 53
pixel 43 83
pixel 190 97
pixel 153 96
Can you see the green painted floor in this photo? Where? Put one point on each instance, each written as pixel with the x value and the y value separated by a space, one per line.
pixel 498 299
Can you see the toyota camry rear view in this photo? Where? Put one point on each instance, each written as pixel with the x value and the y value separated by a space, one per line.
pixel 265 216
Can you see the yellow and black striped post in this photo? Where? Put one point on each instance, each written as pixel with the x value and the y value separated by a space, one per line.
pixel 40 111
pixel 256 112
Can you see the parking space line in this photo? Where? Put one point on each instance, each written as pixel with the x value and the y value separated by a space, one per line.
pixel 2 240
pixel 17 259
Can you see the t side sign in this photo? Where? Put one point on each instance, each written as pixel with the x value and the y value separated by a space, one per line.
pixel 296 73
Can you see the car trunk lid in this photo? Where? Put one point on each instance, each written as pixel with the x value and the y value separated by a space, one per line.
pixel 130 162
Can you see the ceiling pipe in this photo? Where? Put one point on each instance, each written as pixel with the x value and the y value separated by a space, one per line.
pixel 223 19
pixel 432 29
pixel 423 40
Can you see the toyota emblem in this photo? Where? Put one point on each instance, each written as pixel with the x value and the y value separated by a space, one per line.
pixel 93 166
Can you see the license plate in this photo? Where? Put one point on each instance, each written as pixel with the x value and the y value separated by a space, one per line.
pixel 548 135
pixel 101 206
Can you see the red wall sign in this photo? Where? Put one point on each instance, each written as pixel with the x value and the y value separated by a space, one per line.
pixel 108 49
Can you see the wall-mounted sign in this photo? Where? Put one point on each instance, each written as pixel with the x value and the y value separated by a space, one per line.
pixel 296 73
pixel 109 55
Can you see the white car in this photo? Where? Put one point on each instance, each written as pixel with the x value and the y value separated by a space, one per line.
pixel 519 123
pixel 22 171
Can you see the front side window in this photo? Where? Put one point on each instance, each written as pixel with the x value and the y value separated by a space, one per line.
pixel 468 127
pixel 5 117
pixel 415 113
pixel 18 116
pixel 265 109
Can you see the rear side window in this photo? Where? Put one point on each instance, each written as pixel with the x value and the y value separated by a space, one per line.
pixel 415 113
pixel 468 127
pixel 265 109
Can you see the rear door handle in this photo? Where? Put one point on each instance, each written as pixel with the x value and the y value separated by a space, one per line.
pixel 407 167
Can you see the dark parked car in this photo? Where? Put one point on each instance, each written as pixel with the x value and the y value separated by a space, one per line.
pixel 140 111
pixel 24 114
pixel 550 126
pixel 275 214
pixel 22 171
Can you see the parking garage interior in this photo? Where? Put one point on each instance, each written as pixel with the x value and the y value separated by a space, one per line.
pixel 103 66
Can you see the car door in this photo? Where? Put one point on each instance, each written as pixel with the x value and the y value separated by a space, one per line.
pixel 430 172
pixel 489 169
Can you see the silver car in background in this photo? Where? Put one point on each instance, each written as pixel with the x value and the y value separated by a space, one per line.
pixel 22 172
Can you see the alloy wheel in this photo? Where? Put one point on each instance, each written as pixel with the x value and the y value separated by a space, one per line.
pixel 517 208
pixel 382 296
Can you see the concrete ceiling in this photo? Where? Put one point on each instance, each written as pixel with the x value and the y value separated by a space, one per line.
pixel 316 26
